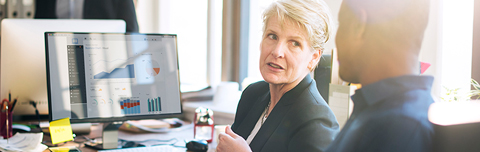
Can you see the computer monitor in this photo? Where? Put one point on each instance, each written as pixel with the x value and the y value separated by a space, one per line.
pixel 23 69
pixel 100 77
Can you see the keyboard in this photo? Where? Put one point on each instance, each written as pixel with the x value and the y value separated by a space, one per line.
pixel 164 148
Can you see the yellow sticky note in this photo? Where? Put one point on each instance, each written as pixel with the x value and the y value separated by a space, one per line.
pixel 60 130
pixel 60 149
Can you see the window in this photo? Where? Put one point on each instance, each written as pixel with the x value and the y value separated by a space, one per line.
pixel 457 44
pixel 188 19
pixel 255 37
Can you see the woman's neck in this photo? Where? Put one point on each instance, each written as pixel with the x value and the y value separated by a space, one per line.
pixel 278 90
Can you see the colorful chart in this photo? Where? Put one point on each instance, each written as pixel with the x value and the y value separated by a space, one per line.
pixel 130 106
pixel 152 67
pixel 155 104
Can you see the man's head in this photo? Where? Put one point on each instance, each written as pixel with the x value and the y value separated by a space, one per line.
pixel 372 34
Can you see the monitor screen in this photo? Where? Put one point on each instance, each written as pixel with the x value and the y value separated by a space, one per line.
pixel 101 77
pixel 23 71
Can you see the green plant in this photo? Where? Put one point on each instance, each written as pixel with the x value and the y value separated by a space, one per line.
pixel 476 91
pixel 456 95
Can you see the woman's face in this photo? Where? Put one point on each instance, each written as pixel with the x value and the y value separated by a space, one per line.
pixel 286 55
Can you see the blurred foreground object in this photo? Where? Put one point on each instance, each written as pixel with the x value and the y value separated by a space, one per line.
pixel 456 125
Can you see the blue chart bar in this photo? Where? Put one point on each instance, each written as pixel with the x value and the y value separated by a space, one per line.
pixel 130 106
pixel 154 104
pixel 159 105
pixel 122 107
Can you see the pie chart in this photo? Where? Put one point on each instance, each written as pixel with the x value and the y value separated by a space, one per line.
pixel 152 68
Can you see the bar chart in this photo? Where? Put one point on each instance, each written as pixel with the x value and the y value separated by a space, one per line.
pixel 155 104
pixel 129 106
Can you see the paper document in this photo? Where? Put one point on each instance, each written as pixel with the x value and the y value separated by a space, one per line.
pixel 340 102
pixel 28 142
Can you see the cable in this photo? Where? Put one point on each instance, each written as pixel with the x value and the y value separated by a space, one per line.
pixel 129 143
pixel 34 104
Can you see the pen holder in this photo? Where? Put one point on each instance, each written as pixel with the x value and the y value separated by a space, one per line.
pixel 3 124
pixel 203 124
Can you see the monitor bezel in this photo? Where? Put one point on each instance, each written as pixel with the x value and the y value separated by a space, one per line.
pixel 111 119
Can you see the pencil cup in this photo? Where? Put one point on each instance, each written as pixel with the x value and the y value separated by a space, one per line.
pixel 3 124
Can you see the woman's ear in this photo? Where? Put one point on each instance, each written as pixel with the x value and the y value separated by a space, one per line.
pixel 317 54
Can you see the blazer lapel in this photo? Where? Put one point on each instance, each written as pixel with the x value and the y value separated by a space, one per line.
pixel 247 125
pixel 269 127
pixel 277 114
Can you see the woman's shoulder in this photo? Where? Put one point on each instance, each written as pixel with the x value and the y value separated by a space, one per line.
pixel 311 105
pixel 311 97
pixel 257 87
pixel 253 92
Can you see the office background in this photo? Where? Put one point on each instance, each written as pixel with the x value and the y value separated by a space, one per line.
pixel 219 39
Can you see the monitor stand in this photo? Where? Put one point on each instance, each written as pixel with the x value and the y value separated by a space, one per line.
pixel 109 137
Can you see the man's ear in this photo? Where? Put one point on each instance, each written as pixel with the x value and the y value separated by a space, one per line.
pixel 360 25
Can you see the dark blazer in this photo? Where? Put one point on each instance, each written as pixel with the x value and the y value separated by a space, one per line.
pixel 95 9
pixel 301 120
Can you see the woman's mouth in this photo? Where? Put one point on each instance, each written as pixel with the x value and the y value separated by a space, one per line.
pixel 275 66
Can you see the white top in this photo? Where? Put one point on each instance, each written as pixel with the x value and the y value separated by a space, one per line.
pixel 256 128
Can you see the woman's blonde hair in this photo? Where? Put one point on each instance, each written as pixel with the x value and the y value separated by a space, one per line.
pixel 312 15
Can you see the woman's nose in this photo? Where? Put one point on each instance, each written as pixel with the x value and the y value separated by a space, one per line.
pixel 279 50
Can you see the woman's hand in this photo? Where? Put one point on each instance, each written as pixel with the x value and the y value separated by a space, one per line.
pixel 231 142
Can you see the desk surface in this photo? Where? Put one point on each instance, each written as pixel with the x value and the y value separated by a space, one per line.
pixel 181 135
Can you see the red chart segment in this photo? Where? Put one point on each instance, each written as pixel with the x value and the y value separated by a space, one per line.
pixel 152 67
pixel 130 106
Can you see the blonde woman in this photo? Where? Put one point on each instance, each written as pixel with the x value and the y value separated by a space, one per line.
pixel 286 112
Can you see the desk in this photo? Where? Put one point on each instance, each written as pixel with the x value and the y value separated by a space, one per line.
pixel 96 132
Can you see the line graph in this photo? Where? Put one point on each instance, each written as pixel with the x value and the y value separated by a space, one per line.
pixel 127 72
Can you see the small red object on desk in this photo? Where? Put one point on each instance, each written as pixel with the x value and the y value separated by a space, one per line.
pixel 203 124
pixel 6 120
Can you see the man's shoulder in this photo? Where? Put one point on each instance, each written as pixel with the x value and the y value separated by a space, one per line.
pixel 386 132
pixel 396 120
pixel 411 113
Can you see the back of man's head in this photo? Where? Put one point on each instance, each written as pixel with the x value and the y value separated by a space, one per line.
pixel 378 39
pixel 394 23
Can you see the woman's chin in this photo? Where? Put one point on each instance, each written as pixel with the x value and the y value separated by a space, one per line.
pixel 272 79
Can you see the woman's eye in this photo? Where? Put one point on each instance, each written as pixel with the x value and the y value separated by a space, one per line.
pixel 295 43
pixel 273 36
